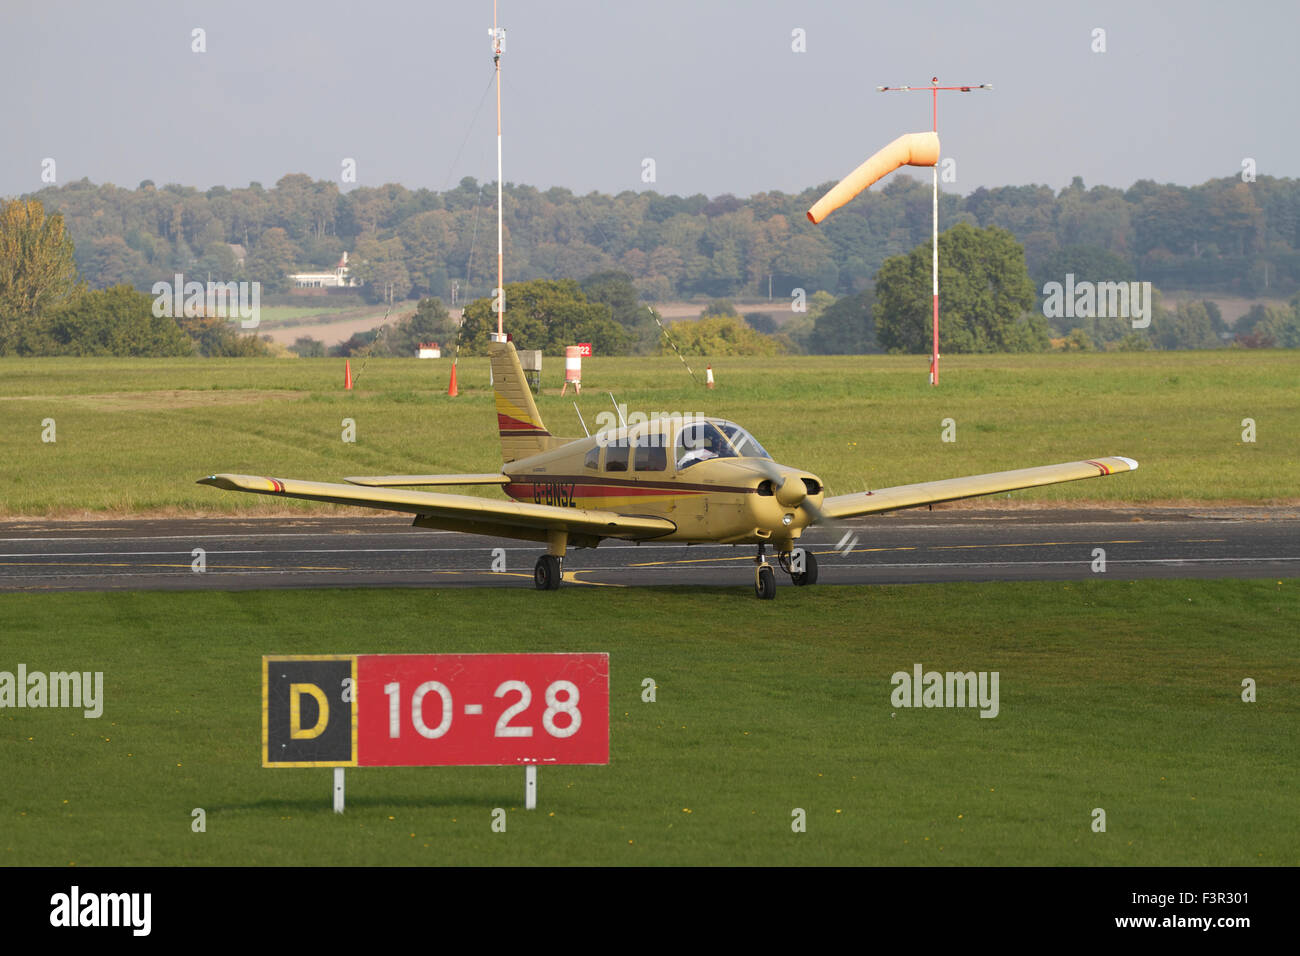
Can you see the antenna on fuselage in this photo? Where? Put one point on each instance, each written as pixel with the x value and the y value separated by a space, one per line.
pixel 621 420
pixel 584 424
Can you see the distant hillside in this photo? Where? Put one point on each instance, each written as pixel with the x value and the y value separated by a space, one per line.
pixel 1225 236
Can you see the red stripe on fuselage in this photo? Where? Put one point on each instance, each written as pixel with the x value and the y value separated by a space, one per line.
pixel 525 491
pixel 660 485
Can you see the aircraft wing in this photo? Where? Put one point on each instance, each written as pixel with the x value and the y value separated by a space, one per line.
pixel 510 519
pixel 393 481
pixel 950 489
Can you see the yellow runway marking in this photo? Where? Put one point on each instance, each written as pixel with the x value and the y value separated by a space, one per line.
pixel 572 578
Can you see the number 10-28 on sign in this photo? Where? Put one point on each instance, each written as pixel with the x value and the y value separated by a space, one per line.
pixel 422 710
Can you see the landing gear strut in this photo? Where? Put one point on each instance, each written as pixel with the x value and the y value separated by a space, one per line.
pixel 801 565
pixel 549 570
pixel 764 579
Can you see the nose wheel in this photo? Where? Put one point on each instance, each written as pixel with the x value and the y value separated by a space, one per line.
pixel 801 565
pixel 764 578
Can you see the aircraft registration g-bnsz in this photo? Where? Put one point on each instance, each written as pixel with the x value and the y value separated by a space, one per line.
pixel 684 479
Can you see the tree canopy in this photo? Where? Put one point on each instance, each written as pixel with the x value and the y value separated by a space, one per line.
pixel 116 321
pixel 846 327
pixel 545 314
pixel 721 335
pixel 37 266
pixel 1224 235
pixel 984 296
pixel 430 322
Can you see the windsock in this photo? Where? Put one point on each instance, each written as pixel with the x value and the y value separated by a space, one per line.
pixel 910 149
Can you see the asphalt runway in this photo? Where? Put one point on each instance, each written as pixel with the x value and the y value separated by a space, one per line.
pixel 902 547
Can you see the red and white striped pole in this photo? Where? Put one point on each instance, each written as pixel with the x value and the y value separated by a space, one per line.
pixel 934 89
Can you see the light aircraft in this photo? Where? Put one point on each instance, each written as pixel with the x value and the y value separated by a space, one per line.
pixel 685 479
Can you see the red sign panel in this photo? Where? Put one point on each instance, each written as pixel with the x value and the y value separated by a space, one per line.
pixel 584 349
pixel 433 710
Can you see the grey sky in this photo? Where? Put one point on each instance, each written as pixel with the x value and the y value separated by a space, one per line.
pixel 710 89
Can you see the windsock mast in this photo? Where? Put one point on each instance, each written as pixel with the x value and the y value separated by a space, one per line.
pixel 934 89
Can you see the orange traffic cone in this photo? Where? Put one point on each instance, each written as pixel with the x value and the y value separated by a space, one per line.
pixel 708 377
pixel 347 373
pixel 451 388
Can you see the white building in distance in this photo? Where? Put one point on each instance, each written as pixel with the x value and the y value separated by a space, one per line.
pixel 338 279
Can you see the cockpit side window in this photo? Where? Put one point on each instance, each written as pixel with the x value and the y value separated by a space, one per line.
pixel 592 460
pixel 616 457
pixel 651 457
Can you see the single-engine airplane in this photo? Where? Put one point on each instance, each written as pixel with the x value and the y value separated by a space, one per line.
pixel 686 479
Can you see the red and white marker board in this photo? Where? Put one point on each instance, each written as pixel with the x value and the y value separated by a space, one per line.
pixel 435 710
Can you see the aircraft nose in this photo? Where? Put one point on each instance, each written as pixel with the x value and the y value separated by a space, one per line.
pixel 792 491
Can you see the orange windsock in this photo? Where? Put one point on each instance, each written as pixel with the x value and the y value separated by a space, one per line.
pixel 910 149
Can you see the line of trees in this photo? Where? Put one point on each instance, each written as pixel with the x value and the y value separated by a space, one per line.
pixel 988 303
pixel 1225 236
pixel 45 309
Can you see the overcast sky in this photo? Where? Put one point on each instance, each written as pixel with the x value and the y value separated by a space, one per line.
pixel 711 90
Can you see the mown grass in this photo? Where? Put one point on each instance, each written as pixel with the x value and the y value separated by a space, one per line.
pixel 134 434
pixel 1124 696
pixel 288 314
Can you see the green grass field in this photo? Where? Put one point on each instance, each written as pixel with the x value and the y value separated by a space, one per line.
pixel 281 316
pixel 133 435
pixel 289 314
pixel 1124 696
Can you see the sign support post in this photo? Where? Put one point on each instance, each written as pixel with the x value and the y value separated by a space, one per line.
pixel 530 787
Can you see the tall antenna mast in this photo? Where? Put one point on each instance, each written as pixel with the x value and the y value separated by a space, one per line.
pixel 499 300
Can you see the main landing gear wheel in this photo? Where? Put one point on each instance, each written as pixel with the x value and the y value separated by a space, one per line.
pixel 546 575
pixel 765 582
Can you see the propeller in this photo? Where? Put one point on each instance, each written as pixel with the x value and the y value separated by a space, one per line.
pixel 789 489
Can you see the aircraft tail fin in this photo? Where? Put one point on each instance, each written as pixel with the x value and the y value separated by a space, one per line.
pixel 518 421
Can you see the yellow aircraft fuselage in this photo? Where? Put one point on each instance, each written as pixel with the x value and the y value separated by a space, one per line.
pixel 643 470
